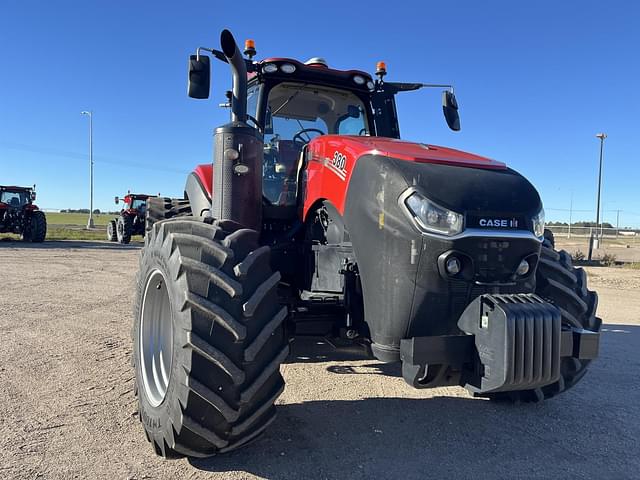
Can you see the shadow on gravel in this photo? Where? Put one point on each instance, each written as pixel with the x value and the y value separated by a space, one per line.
pixel 68 244
pixel 588 432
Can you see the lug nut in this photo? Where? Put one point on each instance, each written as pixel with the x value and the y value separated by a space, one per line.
pixel 453 266
pixel 523 268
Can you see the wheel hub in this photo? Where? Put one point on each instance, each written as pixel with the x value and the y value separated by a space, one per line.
pixel 156 338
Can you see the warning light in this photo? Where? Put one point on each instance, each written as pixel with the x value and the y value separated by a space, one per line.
pixel 249 48
pixel 381 69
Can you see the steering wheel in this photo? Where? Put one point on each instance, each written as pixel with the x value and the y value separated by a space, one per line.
pixel 297 138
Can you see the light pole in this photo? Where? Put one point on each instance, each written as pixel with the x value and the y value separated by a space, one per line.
pixel 601 136
pixel 90 114
pixel 570 214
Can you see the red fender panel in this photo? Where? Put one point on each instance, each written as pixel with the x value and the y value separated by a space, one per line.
pixel 332 159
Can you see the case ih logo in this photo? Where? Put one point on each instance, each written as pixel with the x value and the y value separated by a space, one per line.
pixel 498 222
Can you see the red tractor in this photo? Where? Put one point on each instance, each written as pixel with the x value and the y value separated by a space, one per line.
pixel 18 213
pixel 131 220
pixel 316 219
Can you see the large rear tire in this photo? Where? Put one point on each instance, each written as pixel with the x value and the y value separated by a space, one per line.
pixel 560 283
pixel 163 208
pixel 124 228
pixel 208 338
pixel 36 231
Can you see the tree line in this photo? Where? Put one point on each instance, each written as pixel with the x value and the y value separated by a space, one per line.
pixel 580 224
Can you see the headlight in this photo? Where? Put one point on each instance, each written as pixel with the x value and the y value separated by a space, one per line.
pixel 287 68
pixel 359 79
pixel 538 224
pixel 434 218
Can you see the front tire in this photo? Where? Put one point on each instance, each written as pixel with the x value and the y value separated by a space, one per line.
pixel 213 385
pixel 560 283
pixel 36 231
pixel 124 229
pixel 112 230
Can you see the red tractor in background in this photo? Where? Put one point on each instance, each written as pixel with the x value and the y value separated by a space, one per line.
pixel 131 220
pixel 314 218
pixel 18 213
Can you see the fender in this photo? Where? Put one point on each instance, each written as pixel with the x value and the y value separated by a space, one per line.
pixel 198 189
pixel 331 160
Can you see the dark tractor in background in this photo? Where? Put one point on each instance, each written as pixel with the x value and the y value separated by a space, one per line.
pixel 131 220
pixel 18 213
pixel 314 218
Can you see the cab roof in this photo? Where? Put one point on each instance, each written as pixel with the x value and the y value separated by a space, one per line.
pixel 14 188
pixel 313 73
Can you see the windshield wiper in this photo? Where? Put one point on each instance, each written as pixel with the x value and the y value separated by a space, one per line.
pixel 295 94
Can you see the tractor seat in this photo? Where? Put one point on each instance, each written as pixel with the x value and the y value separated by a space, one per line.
pixel 288 155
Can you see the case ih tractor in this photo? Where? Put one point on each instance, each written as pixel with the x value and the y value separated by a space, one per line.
pixel 314 218
pixel 131 220
pixel 18 214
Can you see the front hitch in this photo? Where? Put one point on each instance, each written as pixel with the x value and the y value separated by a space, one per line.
pixel 511 342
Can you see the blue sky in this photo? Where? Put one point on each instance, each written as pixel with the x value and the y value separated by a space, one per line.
pixel 535 82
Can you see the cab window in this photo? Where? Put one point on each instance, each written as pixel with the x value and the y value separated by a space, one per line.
pixel 139 204
pixel 15 199
pixel 297 113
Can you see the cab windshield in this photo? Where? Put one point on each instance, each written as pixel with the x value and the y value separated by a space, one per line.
pixel 139 204
pixel 297 113
pixel 14 199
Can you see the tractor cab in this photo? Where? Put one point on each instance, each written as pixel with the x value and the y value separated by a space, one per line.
pixel 290 103
pixel 16 197
pixel 134 203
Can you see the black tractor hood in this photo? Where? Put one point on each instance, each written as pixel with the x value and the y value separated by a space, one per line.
pixel 473 191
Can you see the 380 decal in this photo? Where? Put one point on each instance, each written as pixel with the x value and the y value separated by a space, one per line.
pixel 338 165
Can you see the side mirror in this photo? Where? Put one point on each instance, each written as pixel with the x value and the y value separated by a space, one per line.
pixel 117 200
pixel 199 76
pixel 33 196
pixel 450 110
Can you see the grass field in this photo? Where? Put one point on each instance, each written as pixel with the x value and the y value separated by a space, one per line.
pixel 77 219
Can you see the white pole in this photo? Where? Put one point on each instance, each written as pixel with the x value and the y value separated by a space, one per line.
pixel 570 214
pixel 90 223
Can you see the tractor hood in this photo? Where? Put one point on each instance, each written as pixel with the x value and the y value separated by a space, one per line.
pixel 357 146
pixel 474 186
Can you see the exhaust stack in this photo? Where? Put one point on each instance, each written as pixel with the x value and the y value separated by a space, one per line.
pixel 238 153
pixel 239 72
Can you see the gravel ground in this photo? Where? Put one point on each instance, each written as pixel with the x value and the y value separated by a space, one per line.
pixel 68 410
